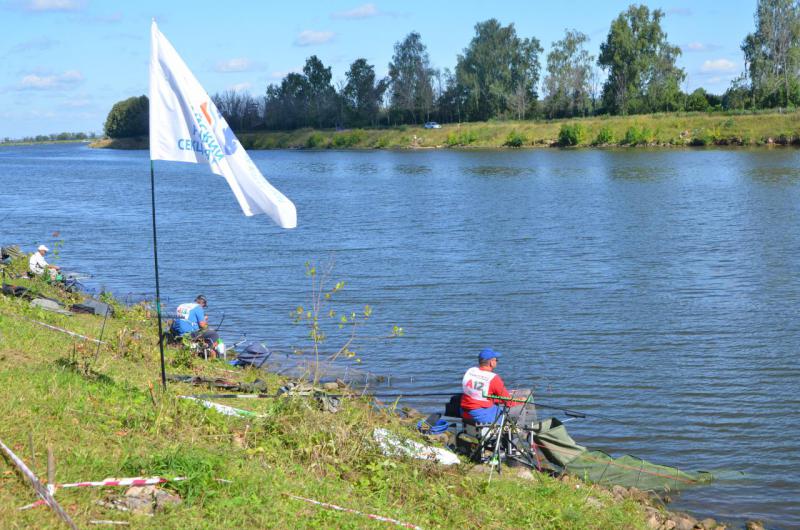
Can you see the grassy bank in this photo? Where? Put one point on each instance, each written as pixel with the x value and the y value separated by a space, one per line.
pixel 103 418
pixel 662 130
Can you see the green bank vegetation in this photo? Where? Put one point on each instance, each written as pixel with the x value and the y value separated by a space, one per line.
pixel 685 129
pixel 64 137
pixel 104 414
pixel 663 130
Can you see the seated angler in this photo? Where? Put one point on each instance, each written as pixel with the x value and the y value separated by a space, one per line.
pixel 193 321
pixel 478 382
pixel 37 265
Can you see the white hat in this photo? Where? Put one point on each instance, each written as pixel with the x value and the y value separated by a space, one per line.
pixel 42 247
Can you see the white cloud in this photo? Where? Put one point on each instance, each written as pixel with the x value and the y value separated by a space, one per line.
pixel 53 5
pixel 68 79
pixel 718 66
pixel 278 75
pixel 238 64
pixel 310 37
pixel 697 46
pixel 241 87
pixel 362 11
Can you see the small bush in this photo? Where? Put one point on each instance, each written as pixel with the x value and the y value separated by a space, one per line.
pixel 515 139
pixel 455 139
pixel 315 140
pixel 571 134
pixel 604 136
pixel 704 136
pixel 344 140
pixel 637 136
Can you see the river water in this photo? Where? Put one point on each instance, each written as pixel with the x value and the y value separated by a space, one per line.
pixel 659 288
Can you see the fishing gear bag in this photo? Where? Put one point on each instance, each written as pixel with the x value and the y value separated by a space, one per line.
pixel 453 407
pixel 14 290
pixel 92 307
pixel 253 354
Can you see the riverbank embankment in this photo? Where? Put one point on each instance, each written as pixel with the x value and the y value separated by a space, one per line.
pixel 100 410
pixel 693 129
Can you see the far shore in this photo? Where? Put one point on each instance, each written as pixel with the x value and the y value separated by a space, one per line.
pixel 22 142
pixel 652 130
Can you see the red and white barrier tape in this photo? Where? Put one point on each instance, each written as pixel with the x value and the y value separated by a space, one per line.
pixel 38 486
pixel 349 510
pixel 134 481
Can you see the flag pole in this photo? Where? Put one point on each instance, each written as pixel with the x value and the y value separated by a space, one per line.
pixel 158 287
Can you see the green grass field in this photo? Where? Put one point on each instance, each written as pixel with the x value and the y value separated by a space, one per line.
pixel 102 419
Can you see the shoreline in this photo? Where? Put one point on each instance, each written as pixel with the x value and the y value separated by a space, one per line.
pixel 129 365
pixel 660 131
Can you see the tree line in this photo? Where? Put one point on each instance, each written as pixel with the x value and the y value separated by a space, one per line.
pixel 54 137
pixel 502 75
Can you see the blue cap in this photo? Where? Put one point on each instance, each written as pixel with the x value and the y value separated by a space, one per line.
pixel 487 354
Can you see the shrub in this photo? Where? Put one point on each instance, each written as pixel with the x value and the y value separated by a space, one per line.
pixel 344 140
pixel 315 140
pixel 129 117
pixel 604 136
pixel 571 134
pixel 515 139
pixel 637 136
pixel 455 139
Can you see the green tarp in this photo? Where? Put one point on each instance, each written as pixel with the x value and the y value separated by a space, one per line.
pixel 562 451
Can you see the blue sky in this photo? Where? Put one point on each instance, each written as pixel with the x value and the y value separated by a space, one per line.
pixel 65 62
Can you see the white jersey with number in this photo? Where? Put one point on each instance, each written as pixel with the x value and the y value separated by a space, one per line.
pixel 475 385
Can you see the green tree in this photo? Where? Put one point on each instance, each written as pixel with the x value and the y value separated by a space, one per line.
pixel 321 95
pixel 569 74
pixel 498 71
pixel 285 105
pixel 362 95
pixel 697 101
pixel 410 78
pixel 129 117
pixel 642 75
pixel 240 109
pixel 738 96
pixel 772 53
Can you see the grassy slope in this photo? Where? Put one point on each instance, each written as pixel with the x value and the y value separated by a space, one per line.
pixel 102 422
pixel 675 129
pixel 656 129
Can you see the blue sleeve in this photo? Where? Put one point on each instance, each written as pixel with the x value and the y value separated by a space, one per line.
pixel 198 315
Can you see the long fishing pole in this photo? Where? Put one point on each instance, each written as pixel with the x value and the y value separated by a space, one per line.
pixel 567 411
pixel 220 322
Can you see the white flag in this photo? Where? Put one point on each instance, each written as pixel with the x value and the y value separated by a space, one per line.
pixel 185 126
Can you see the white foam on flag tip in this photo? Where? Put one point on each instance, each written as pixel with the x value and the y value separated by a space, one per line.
pixel 185 126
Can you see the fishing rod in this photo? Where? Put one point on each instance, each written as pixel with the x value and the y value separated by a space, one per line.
pixel 567 411
pixel 220 322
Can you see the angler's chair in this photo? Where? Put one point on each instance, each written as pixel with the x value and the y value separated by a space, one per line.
pixel 503 440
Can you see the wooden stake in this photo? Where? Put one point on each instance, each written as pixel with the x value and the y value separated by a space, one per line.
pixel 51 469
pixel 152 396
pixel 30 446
